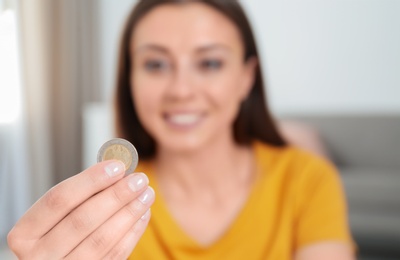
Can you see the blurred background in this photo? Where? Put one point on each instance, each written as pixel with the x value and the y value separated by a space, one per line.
pixel 332 66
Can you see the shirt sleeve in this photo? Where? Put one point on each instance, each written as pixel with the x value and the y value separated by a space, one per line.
pixel 321 210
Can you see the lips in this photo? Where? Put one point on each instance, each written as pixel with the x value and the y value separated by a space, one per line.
pixel 184 119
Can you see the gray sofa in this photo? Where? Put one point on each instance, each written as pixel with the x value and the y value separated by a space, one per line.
pixel 366 150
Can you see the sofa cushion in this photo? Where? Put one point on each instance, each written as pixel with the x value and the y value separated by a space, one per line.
pixel 362 140
pixel 372 188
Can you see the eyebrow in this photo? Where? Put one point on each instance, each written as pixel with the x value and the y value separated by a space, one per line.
pixel 212 47
pixel 153 47
pixel 159 48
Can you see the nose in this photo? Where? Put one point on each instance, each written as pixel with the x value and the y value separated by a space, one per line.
pixel 181 86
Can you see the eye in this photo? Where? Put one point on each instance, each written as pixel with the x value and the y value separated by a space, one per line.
pixel 155 65
pixel 211 64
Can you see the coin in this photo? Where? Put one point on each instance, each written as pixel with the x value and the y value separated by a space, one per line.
pixel 119 149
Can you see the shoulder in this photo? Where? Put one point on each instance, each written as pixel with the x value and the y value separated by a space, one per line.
pixel 288 154
pixel 293 162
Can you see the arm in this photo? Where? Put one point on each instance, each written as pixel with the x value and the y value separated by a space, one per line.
pixel 325 251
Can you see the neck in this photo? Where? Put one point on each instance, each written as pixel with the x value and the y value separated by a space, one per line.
pixel 221 163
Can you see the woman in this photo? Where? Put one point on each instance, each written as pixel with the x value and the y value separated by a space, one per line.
pixel 190 98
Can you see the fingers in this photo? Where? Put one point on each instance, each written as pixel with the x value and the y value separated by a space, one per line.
pixel 124 248
pixel 131 219
pixel 66 196
pixel 90 215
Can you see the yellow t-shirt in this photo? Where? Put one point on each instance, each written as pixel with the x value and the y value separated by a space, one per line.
pixel 297 200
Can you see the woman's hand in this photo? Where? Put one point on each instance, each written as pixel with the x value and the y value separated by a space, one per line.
pixel 98 213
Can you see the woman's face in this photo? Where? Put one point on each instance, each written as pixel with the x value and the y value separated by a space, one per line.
pixel 188 76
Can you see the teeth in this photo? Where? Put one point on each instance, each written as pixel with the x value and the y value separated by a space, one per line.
pixel 184 119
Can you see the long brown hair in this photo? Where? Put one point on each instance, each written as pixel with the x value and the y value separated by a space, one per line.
pixel 253 120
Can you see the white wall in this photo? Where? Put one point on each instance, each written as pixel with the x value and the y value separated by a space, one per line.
pixel 330 56
pixel 319 56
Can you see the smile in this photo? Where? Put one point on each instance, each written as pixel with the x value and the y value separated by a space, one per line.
pixel 184 119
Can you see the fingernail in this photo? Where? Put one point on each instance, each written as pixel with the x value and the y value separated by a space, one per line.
pixel 114 168
pixel 137 181
pixel 147 195
pixel 146 215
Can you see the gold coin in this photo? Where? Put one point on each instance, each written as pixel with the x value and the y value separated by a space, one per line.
pixel 119 149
